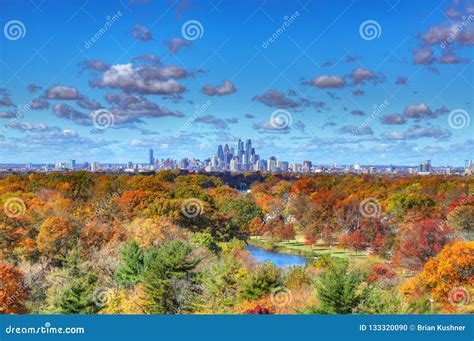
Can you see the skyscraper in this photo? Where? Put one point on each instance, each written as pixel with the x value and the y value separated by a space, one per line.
pixel 240 149
pixel 248 149
pixel 151 158
pixel 245 162
pixel 220 153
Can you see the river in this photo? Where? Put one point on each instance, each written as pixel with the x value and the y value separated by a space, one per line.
pixel 278 259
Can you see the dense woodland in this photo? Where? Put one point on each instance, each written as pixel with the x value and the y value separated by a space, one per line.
pixel 174 243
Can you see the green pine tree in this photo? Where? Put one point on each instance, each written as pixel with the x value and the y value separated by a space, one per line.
pixel 78 296
pixel 170 281
pixel 339 289
pixel 132 265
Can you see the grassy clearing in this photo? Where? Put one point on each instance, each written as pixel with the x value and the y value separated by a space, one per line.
pixel 297 247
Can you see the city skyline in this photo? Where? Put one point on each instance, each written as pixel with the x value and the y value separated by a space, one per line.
pixel 242 158
pixel 118 79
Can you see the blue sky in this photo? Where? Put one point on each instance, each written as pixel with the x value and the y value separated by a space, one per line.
pixel 302 79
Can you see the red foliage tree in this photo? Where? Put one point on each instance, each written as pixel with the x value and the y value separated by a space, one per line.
pixel 309 238
pixel 378 245
pixel 419 241
pixel 258 310
pixel 304 186
pixel 133 202
pixel 288 232
pixel 327 235
pixel 357 241
pixel 379 272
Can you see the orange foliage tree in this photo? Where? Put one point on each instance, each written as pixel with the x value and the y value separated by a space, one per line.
pixel 13 290
pixel 54 234
pixel 451 268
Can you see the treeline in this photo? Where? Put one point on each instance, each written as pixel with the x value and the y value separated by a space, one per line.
pixel 173 243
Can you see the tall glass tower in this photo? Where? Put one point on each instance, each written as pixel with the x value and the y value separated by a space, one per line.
pixel 151 158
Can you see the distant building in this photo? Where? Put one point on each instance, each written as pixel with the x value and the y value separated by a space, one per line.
pixel 282 166
pixel 425 167
pixel 307 165
pixel 151 158
pixel 468 167
pixel 271 164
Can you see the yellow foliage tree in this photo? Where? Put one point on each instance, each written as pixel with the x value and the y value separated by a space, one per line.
pixel 153 231
pixel 53 235
pixel 449 270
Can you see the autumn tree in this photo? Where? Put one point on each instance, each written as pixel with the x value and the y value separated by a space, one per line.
pixel 328 234
pixel 54 235
pixel 258 310
pixel 256 226
pixel 357 241
pixel 287 232
pixel 461 217
pixel 419 241
pixel 378 245
pixel 131 203
pixel 347 215
pixel 400 203
pixel 381 273
pixel 13 290
pixel 241 212
pixel 153 231
pixel 451 268
pixel 97 233
pixel 310 238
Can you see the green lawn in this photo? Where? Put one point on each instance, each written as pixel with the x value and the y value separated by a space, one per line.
pixel 298 247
